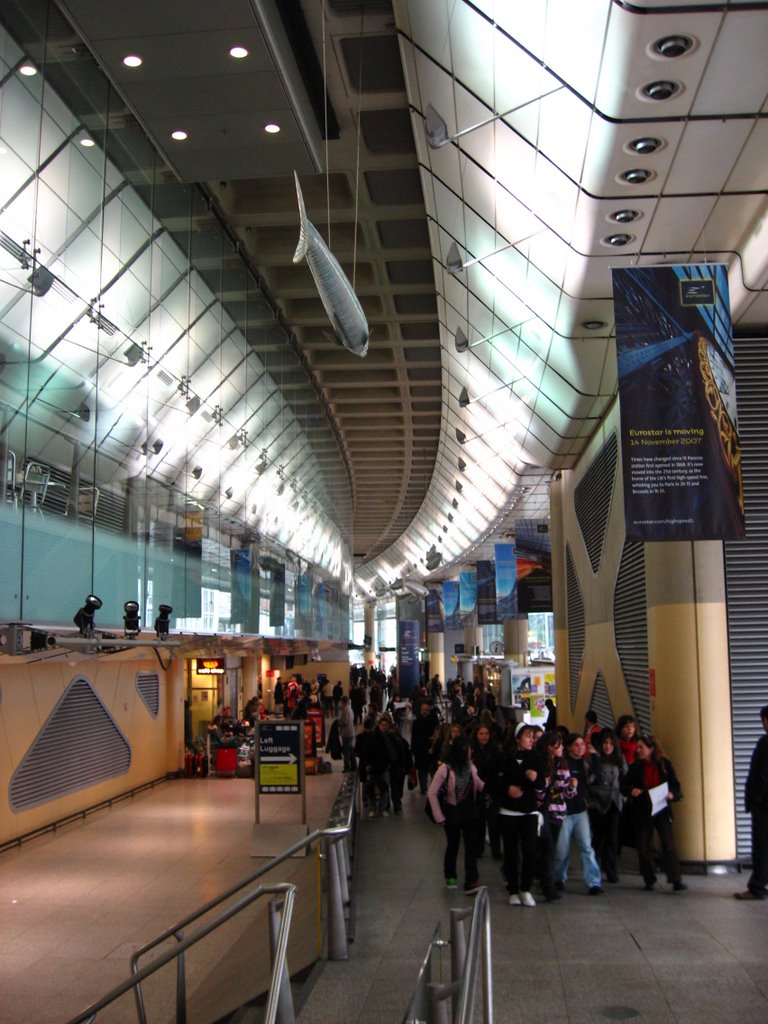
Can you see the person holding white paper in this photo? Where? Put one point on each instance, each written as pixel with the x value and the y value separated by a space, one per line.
pixel 651 771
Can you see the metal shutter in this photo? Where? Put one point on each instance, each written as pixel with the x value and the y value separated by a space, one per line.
pixel 630 625
pixel 576 630
pixel 592 499
pixel 746 567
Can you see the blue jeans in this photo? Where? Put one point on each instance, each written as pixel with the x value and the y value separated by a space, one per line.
pixel 348 750
pixel 576 827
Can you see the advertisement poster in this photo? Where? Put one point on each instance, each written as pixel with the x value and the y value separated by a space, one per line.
pixel 506 582
pixel 435 616
pixel 486 593
pixel 467 598
pixel 533 546
pixel 677 399
pixel 451 604
pixel 408 656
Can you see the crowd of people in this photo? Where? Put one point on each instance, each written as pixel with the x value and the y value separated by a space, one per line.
pixel 526 792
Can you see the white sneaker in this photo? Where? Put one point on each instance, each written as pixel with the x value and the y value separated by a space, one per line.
pixel 514 900
pixel 527 899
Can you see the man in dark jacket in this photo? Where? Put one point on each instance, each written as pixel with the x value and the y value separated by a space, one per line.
pixel 422 732
pixel 756 803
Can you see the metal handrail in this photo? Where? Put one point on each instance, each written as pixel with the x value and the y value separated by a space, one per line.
pixel 336 894
pixel 288 892
pixel 428 1003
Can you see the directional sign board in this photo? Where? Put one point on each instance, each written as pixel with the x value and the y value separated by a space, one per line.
pixel 281 745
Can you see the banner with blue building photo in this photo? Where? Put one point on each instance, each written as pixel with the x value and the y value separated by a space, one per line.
pixel 241 564
pixel 468 598
pixel 451 604
pixel 486 593
pixel 680 446
pixel 506 582
pixel 408 668
pixel 434 606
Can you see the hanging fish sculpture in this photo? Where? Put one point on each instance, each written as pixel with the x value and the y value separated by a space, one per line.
pixel 340 302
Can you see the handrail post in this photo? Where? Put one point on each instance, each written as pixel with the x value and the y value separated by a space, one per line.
pixel 337 926
pixel 181 986
pixel 439 994
pixel 487 968
pixel 285 1012
pixel 458 942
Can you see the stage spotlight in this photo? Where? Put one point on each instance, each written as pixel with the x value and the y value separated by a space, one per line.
pixel 162 624
pixel 84 616
pixel 131 618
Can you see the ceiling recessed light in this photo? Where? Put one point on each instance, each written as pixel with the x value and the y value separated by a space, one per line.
pixel 28 69
pixel 617 240
pixel 593 325
pixel 87 142
pixel 624 216
pixel 673 46
pixel 636 176
pixel 644 145
pixel 133 60
pixel 271 128
pixel 662 90
pixel 238 52
pixel 179 135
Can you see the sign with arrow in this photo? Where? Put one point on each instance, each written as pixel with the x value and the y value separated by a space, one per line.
pixel 280 748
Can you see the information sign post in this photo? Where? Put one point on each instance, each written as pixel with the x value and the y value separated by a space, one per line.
pixel 279 771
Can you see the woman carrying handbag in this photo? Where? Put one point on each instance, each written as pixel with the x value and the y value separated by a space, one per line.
pixel 457 781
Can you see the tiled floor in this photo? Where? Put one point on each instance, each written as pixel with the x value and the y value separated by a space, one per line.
pixel 697 957
pixel 74 905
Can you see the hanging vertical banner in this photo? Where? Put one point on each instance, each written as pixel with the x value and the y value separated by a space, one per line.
pixel 677 398
pixel 467 598
pixel 320 609
pixel 506 582
pixel 303 600
pixel 277 597
pixel 533 551
pixel 451 604
pixel 241 567
pixel 408 669
pixel 435 616
pixel 486 593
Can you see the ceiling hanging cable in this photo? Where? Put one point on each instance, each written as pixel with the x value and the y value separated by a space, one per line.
pixel 357 148
pixel 325 127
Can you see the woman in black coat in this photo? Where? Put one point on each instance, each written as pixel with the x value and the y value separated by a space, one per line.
pixel 651 769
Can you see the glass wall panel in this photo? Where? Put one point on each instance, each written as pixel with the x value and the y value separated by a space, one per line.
pixel 159 437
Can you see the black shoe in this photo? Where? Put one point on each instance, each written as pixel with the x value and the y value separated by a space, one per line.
pixel 613 879
pixel 679 887
pixel 560 886
pixel 596 890
pixel 550 897
pixel 648 886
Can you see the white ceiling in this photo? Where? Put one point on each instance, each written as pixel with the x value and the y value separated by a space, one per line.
pixel 527 200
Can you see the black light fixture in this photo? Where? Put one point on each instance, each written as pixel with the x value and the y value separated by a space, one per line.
pixel 636 175
pixel 662 90
pixel 459 486
pixel 197 472
pixel 193 404
pixel 41 281
pixel 461 464
pixel 455 502
pixel 162 623
pixel 461 437
pixel 84 616
pixel 644 145
pixel 131 623
pixel 624 216
pixel 673 46
pixel 228 493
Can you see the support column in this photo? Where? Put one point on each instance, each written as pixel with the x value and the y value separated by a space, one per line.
pixel 689 690
pixel 175 686
pixel 516 639
pixel 436 650
pixel 250 678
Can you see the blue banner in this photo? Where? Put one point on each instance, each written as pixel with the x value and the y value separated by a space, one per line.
pixel 277 597
pixel 467 598
pixel 486 593
pixel 408 668
pixel 435 616
pixel 451 604
pixel 506 582
pixel 241 564
pixel 681 455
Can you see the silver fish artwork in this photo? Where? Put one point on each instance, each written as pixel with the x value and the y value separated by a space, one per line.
pixel 339 300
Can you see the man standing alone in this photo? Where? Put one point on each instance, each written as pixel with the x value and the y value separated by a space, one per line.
pixel 756 803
